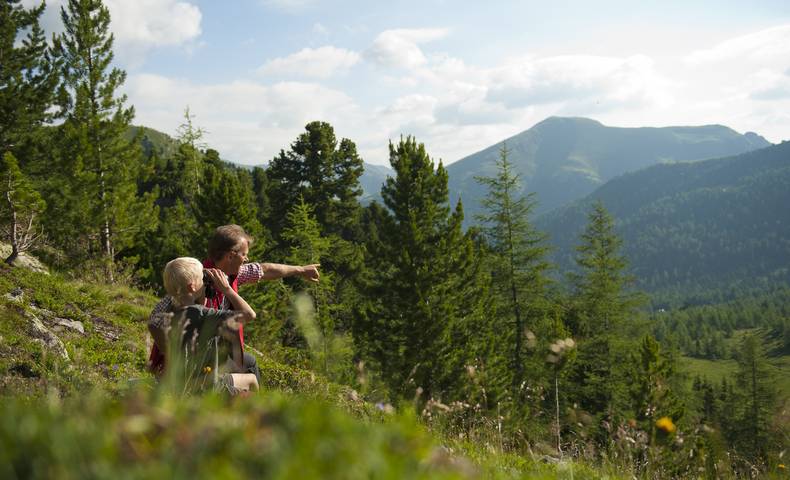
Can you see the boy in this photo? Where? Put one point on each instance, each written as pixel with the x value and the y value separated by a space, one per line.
pixel 196 324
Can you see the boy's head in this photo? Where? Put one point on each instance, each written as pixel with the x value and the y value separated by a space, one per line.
pixel 228 248
pixel 183 276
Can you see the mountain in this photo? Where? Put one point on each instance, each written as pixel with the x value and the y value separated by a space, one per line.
pixel 371 180
pixel 564 159
pixel 716 224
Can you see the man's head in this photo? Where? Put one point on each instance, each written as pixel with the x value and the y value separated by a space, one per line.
pixel 183 277
pixel 228 248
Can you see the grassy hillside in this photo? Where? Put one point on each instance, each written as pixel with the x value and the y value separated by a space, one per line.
pixel 718 224
pixel 74 391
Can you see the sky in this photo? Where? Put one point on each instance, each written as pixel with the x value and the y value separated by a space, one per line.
pixel 459 76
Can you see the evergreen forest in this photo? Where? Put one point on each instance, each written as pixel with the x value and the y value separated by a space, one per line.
pixel 438 343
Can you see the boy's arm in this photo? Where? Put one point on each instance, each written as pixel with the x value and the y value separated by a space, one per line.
pixel 240 306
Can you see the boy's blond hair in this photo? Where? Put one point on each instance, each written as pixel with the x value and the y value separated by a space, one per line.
pixel 179 273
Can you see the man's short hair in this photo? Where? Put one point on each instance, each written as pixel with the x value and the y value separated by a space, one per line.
pixel 225 239
pixel 179 273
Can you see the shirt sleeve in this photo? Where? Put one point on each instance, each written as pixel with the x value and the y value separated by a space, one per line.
pixel 250 273
pixel 161 307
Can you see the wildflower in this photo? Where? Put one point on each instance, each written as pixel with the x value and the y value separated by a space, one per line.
pixel 781 466
pixel 665 424
pixel 207 369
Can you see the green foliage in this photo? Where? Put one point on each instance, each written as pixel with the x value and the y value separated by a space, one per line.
pixel 519 265
pixel 27 79
pixel 100 209
pixel 20 205
pixel 323 172
pixel 601 300
pixel 425 287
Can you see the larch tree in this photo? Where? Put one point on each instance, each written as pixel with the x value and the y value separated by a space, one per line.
pixel 520 251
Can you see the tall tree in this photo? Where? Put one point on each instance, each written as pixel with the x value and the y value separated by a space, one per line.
pixel 600 305
pixel 27 77
pixel 601 289
pixel 424 279
pixel 102 200
pixel 325 173
pixel 755 399
pixel 20 204
pixel 190 144
pixel 520 252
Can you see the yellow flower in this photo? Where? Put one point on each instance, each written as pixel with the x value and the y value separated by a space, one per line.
pixel 207 370
pixel 665 424
pixel 781 465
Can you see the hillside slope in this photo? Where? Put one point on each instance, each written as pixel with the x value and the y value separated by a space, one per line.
pixel 565 159
pixel 73 389
pixel 722 223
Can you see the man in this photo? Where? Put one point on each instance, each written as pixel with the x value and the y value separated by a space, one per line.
pixel 228 249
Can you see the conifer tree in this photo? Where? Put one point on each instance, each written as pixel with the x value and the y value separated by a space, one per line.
pixel 520 252
pixel 20 206
pixel 190 140
pixel 755 398
pixel 102 166
pixel 225 198
pixel 650 390
pixel 325 173
pixel 423 279
pixel 599 307
pixel 28 78
pixel 602 300
pixel 307 246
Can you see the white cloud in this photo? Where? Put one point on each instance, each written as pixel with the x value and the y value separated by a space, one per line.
pixel 769 85
pixel 139 25
pixel 320 29
pixel 290 6
pixel 609 82
pixel 399 48
pixel 321 62
pixel 764 45
pixel 247 122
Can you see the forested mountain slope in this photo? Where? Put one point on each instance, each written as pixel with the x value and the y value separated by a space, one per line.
pixel 721 223
pixel 564 159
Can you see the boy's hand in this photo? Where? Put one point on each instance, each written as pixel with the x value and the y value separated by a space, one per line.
pixel 219 279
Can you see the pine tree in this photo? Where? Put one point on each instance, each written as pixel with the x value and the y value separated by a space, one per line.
pixel 521 253
pixel 100 198
pixel 20 205
pixel 226 198
pixel 322 171
pixel 423 279
pixel 28 78
pixel 307 246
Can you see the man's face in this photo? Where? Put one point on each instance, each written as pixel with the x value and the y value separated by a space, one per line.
pixel 236 257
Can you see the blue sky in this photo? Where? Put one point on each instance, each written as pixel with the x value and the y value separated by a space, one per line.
pixel 459 76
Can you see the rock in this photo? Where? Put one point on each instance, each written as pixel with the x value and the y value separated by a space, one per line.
pixel 105 329
pixel 16 295
pixel 49 339
pixel 59 322
pixel 23 260
pixel 68 323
